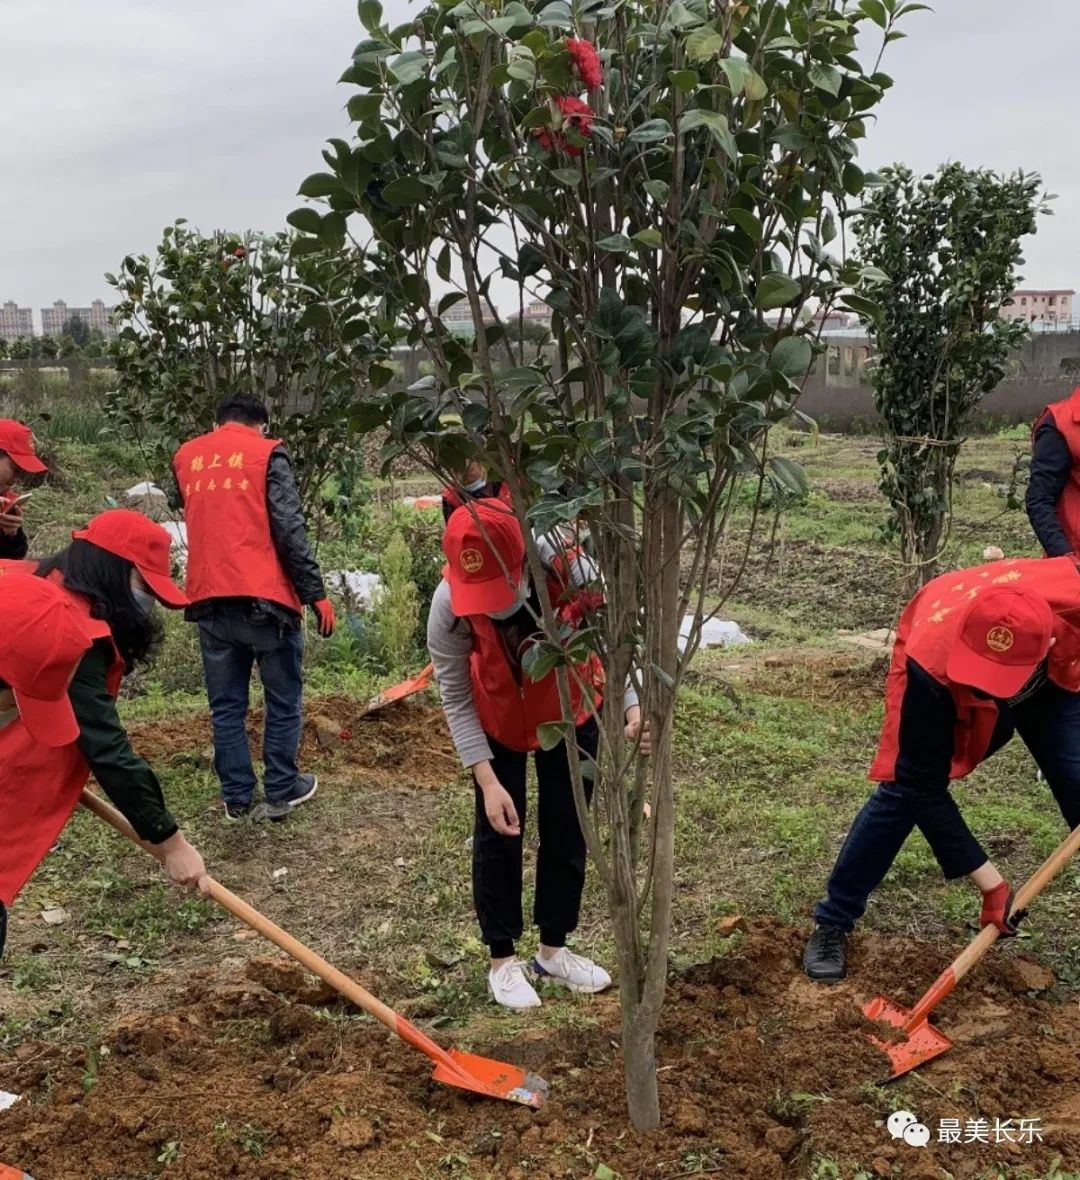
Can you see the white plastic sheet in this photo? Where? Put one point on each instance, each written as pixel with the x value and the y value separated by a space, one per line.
pixel 714 633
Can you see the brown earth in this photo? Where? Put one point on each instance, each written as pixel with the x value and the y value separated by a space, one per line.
pixel 761 1071
pixel 403 745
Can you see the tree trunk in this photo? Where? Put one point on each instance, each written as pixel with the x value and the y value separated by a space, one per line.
pixel 639 1064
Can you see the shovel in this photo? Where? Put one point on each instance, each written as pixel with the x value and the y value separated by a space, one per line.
pixel 922 1042
pixel 480 1075
pixel 399 692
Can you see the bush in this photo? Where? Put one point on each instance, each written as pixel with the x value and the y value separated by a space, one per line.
pixel 397 609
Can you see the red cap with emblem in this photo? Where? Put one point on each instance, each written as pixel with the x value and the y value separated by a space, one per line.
pixel 1003 638
pixel 141 541
pixel 485 554
pixel 42 641
pixel 17 441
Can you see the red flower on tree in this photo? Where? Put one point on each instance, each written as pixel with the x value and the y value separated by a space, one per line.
pixel 586 63
pixel 574 115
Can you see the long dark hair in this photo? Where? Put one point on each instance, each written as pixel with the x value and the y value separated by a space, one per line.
pixel 105 579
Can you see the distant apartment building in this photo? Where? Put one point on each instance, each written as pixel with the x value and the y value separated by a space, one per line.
pixel 97 315
pixel 1039 307
pixel 15 321
pixel 538 312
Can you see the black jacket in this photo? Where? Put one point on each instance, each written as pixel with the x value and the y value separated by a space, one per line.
pixel 13 548
pixel 1051 467
pixel 289 534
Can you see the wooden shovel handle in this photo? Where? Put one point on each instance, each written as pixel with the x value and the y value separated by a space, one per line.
pixel 250 916
pixel 1024 896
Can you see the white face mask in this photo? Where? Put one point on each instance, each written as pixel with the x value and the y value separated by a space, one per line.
pixel 477 485
pixel 501 615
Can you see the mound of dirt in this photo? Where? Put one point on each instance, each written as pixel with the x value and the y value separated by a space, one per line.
pixel 761 1072
pixel 811 674
pixel 406 743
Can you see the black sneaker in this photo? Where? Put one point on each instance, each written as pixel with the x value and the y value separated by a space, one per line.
pixel 825 957
pixel 279 809
pixel 235 812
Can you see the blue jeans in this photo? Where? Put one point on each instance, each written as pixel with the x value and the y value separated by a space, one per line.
pixel 232 640
pixel 1049 725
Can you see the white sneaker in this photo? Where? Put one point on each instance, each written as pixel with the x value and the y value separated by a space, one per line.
pixel 510 988
pixel 573 971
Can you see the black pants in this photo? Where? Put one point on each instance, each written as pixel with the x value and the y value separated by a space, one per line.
pixel 560 860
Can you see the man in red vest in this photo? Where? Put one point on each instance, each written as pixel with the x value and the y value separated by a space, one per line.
pixel 250 573
pixel 1053 492
pixel 17 458
pixel 979 654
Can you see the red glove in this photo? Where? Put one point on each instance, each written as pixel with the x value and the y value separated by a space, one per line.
pixel 324 612
pixel 996 904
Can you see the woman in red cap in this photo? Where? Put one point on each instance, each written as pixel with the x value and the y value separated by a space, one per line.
pixel 17 458
pixel 110 577
pixel 979 654
pixel 482 622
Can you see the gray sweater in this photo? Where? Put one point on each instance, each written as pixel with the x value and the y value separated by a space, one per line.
pixel 451 645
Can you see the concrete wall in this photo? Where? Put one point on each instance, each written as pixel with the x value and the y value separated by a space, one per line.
pixel 838 396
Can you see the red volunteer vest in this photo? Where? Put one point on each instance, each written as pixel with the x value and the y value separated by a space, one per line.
pixel 1066 416
pixel 928 628
pixel 510 712
pixel 40 786
pixel 231 554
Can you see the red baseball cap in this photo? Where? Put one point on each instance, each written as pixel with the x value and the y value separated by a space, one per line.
pixel 17 441
pixel 1004 637
pixel 42 641
pixel 146 545
pixel 485 554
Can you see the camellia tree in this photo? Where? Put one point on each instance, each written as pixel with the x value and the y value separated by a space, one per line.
pixel 950 246
pixel 220 314
pixel 669 177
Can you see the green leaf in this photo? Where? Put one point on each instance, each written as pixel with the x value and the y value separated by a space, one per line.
pixel 862 306
pixel 791 138
pixel 603 1172
pixel 449 301
pixel 658 190
pixel 615 244
pixel 653 239
pixel 826 78
pixel 537 117
pixel 717 125
pixel 379 375
pixel 792 356
pixel 370 15
pixel 316 315
pixel 569 176
pixel 320 184
pixel 442 264
pixel 306 220
pixel 704 43
pixel 875 10
pixel 363 106
pixel 556 15
pixel 549 735
pixel 791 477
pixel 743 78
pixel 651 132
pixel 406 190
pixel 776 290
pixel 523 69
pixel 684 80
pixel 409 67
pixel 747 222
pixel 854 180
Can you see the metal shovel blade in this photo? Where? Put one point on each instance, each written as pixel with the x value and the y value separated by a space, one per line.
pixel 494 1079
pixel 922 1044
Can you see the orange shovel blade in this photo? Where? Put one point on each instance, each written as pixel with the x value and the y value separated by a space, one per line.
pixel 494 1079
pixel 398 692
pixel 922 1044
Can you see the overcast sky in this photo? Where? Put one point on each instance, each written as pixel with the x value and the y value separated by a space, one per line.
pixel 121 115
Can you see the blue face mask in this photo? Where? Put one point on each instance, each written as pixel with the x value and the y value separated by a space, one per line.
pixel 145 602
pixel 477 485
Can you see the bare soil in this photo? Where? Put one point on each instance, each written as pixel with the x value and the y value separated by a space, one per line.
pixel 405 744
pixel 761 1071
